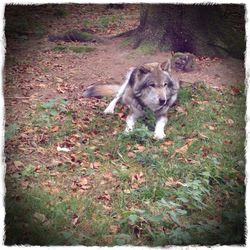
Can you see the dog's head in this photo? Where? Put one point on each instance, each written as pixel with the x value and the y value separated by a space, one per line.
pixel 153 84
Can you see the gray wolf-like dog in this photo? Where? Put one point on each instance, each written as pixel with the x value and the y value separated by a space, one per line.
pixel 148 86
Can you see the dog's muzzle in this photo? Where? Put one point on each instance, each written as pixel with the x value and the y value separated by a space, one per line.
pixel 162 101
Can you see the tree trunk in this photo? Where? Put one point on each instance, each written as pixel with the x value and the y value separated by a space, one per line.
pixel 200 29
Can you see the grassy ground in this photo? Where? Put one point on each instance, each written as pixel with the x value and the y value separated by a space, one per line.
pixel 74 177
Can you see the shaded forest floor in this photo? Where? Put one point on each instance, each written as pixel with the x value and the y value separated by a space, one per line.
pixel 73 177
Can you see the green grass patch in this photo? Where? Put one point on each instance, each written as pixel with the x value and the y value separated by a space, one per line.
pixel 113 188
pixel 103 22
pixel 75 49
pixel 82 49
pixel 147 48
pixel 60 48
pixel 86 23
pixel 126 42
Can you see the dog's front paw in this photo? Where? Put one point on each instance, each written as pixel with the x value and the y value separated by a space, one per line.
pixel 128 129
pixel 159 136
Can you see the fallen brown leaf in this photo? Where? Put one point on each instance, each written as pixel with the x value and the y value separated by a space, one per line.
pixel 210 127
pixel 55 129
pixel 199 102
pixel 108 176
pixel 131 154
pixel 18 164
pixel 126 191
pixel 179 109
pixel 189 141
pixel 235 90
pixel 75 220
pixel 228 142
pixel 170 182
pixel 182 149
pixel 205 151
pixel 138 178
pixel 105 197
pixel 40 217
pixel 83 181
pixel 114 229
pixel 168 142
pixel 229 122
pixel 202 136
pixel 121 114
pixel 192 161
pixel 139 147
pixel 95 165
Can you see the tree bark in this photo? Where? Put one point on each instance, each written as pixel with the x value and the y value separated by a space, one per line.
pixel 199 29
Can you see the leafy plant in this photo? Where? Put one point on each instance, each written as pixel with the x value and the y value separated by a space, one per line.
pixel 86 23
pixel 140 135
pixel 122 174
pixel 48 110
pixel 29 171
pixel 148 160
pixel 10 131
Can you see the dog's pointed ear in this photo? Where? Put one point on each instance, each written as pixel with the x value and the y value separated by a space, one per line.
pixel 166 66
pixel 144 69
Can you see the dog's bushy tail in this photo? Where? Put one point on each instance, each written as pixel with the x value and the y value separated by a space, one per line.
pixel 101 90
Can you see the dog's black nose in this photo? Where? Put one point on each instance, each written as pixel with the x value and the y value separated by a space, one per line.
pixel 162 101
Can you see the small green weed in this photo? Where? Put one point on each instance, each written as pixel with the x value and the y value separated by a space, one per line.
pixel 60 48
pixel 140 135
pixel 29 171
pixel 47 111
pixel 148 160
pixel 86 23
pixel 122 174
pixel 10 131
pixel 103 22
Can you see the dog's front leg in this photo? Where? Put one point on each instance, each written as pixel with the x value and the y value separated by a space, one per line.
pixel 130 123
pixel 131 119
pixel 159 127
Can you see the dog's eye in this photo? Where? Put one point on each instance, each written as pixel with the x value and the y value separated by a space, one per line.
pixel 169 84
pixel 151 85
